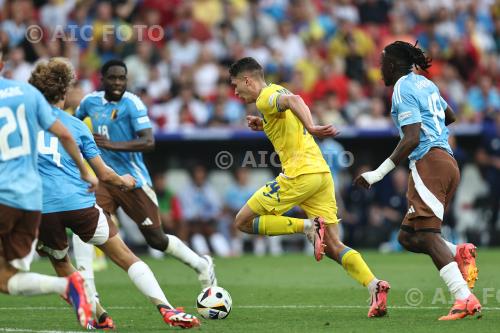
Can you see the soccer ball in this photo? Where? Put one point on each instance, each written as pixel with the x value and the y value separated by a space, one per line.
pixel 214 303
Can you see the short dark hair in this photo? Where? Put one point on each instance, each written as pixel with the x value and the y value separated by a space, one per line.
pixel 111 63
pixel 247 64
pixel 405 55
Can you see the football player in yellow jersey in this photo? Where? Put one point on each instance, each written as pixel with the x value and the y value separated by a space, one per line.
pixel 305 180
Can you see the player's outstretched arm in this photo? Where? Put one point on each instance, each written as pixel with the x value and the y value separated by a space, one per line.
pixel 70 146
pixel 109 176
pixel 145 141
pixel 301 110
pixel 405 146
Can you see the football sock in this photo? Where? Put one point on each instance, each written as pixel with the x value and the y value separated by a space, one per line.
pixel 181 251
pixel 451 246
pixel 29 284
pixel 454 280
pixel 220 245
pixel 272 225
pixel 84 256
pixel 144 279
pixel 308 225
pixel 372 286
pixel 355 266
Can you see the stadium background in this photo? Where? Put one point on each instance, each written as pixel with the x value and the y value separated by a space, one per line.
pixel 326 51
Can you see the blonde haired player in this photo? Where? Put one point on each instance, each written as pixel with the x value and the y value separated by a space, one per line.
pixel 305 180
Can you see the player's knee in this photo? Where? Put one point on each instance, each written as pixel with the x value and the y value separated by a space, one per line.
pixel 63 266
pixel 404 239
pixel 425 239
pixel 242 223
pixel 157 241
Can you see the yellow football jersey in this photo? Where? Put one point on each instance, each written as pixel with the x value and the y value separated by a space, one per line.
pixel 299 154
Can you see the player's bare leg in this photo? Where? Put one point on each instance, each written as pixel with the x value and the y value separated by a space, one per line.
pixel 249 222
pixel 356 267
pixel 144 279
pixel 172 245
pixel 466 304
pixel 15 282
pixel 463 254
pixel 64 267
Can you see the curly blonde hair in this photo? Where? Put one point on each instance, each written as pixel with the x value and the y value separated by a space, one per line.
pixel 53 77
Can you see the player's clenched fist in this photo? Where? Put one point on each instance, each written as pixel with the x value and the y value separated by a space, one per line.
pixel 91 179
pixel 255 123
pixel 129 182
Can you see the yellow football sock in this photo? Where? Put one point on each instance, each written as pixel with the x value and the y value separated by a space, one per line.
pixel 272 225
pixel 355 266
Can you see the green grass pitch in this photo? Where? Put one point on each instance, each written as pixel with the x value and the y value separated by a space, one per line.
pixel 288 294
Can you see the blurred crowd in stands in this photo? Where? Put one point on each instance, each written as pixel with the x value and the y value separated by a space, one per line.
pixel 328 51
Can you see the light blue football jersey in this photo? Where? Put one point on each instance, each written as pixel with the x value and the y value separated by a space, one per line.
pixel 63 189
pixel 119 121
pixel 416 99
pixel 23 112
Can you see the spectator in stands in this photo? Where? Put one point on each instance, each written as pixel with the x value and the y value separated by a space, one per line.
pixel 237 195
pixel 374 117
pixel 18 69
pixel 170 208
pixel 225 107
pixel 184 49
pixel 54 14
pixel 158 87
pixel 205 74
pixel 328 110
pixel 185 110
pixel 484 98
pixel 201 209
pixel 253 23
pixel 13 29
pixel 391 196
pixel 138 65
pixel 374 11
pixel 287 44
pixel 357 202
pixel 357 102
pixel 79 24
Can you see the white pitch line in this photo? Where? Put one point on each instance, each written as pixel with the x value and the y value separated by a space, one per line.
pixel 20 330
pixel 291 306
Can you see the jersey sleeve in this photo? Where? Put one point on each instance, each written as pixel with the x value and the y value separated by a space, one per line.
pixel 267 103
pixel 81 110
pixel 45 116
pixel 88 148
pixel 138 114
pixel 406 106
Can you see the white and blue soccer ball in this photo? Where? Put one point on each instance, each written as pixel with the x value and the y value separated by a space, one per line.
pixel 214 303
